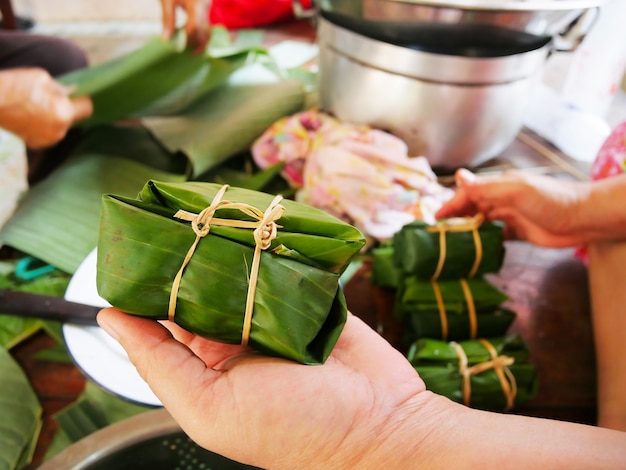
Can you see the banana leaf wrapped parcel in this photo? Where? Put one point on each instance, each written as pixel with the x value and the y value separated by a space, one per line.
pixel 489 374
pixel 230 264
pixel 450 249
pixel 452 310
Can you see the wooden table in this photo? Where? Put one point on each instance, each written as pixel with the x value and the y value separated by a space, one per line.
pixel 547 289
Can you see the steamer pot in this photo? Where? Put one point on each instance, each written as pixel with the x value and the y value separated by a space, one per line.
pixel 455 110
pixel 149 441
pixel 544 18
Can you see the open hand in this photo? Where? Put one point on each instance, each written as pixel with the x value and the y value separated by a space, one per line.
pixel 350 412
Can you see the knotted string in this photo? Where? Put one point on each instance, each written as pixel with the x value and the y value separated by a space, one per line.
pixel 500 365
pixel 458 224
pixel 265 230
pixel 443 314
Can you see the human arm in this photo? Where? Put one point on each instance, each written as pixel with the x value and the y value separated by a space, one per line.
pixel 37 108
pixel 364 408
pixel 544 210
pixel 196 23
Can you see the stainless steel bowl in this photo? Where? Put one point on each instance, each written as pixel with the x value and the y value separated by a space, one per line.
pixel 455 110
pixel 149 441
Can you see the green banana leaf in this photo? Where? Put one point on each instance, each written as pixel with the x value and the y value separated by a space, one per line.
pixel 417 251
pixel 384 271
pixel 160 78
pixel 416 294
pixel 299 309
pixel 57 220
pixel 427 324
pixel 226 121
pixel 437 364
pixel 416 304
pixel 94 410
pixel 21 415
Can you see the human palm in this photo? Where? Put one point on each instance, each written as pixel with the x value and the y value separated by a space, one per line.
pixel 272 412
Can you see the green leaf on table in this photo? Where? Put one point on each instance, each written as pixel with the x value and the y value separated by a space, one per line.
pixel 227 121
pixel 160 78
pixel 21 415
pixel 57 220
pixel 94 410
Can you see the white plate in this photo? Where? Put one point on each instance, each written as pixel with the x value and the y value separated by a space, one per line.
pixel 96 354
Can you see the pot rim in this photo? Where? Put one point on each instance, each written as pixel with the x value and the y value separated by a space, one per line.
pixel 113 438
pixel 421 65
pixel 513 5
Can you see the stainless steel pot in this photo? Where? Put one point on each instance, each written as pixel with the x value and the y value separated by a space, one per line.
pixel 149 441
pixel 536 17
pixel 455 110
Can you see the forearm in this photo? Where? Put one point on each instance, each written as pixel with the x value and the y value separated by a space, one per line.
pixel 477 439
pixel 601 213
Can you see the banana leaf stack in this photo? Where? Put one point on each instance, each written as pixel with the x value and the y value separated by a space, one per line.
pixel 496 376
pixel 298 309
pixel 451 249
pixel 438 273
pixel 451 310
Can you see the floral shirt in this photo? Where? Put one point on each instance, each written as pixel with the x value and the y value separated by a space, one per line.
pixel 611 159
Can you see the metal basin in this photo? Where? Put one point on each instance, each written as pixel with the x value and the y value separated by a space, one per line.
pixel 537 17
pixel 456 111
pixel 150 441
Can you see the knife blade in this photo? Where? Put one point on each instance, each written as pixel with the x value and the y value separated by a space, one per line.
pixel 44 307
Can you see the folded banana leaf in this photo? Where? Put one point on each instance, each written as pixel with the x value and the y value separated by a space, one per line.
pixel 298 308
pixel 384 271
pixel 451 249
pixel 437 363
pixel 457 326
pixel 452 310
pixel 159 78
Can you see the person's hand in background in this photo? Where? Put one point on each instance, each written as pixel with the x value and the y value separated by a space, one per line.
pixel 539 209
pixel 37 108
pixel 196 22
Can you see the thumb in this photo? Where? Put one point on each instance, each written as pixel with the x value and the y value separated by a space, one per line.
pixel 164 363
pixel 83 108
pixel 464 178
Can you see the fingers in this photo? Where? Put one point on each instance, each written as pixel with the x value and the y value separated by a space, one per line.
pixel 196 22
pixel 211 352
pixel 168 16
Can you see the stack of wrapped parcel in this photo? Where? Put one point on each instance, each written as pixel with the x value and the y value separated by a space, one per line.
pixel 452 310
pixel 439 279
pixel 491 374
pixel 230 264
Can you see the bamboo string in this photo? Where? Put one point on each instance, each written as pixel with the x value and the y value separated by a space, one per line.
pixel 500 365
pixel 443 314
pixel 471 307
pixel 265 230
pixel 458 224
pixel 442 310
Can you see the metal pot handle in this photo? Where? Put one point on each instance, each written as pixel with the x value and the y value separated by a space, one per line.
pixel 573 35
